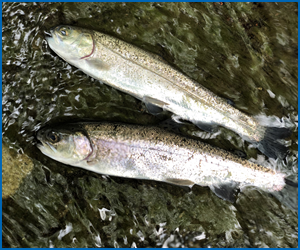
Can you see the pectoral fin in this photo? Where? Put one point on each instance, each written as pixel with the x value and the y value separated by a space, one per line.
pixel 180 182
pixel 231 103
pixel 91 162
pixel 208 127
pixel 97 64
pixel 225 191
pixel 154 106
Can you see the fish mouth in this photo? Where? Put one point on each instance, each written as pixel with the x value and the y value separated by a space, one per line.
pixel 48 34
pixel 45 146
pixel 51 36
pixel 40 143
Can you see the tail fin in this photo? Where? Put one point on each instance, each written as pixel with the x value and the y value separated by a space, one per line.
pixel 270 146
pixel 289 195
pixel 290 183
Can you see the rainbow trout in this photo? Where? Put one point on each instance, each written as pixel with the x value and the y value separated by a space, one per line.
pixel 152 153
pixel 151 80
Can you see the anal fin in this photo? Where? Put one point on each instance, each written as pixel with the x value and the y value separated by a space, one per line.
pixel 91 162
pixel 225 191
pixel 181 182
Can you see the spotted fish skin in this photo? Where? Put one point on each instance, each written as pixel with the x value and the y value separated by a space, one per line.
pixel 151 80
pixel 151 153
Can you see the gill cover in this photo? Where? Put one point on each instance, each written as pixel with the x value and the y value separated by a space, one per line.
pixel 71 43
pixel 67 145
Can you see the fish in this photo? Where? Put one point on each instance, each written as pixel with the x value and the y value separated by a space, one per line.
pixel 148 152
pixel 150 79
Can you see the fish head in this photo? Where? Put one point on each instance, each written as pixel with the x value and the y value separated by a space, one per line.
pixel 69 145
pixel 71 43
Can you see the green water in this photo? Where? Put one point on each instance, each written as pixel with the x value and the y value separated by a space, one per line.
pixel 244 52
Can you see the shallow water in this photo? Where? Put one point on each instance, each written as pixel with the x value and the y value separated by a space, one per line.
pixel 244 52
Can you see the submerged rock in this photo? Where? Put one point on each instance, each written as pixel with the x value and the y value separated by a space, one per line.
pixel 15 167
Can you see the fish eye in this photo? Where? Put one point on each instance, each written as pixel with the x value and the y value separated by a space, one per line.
pixel 53 137
pixel 64 32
